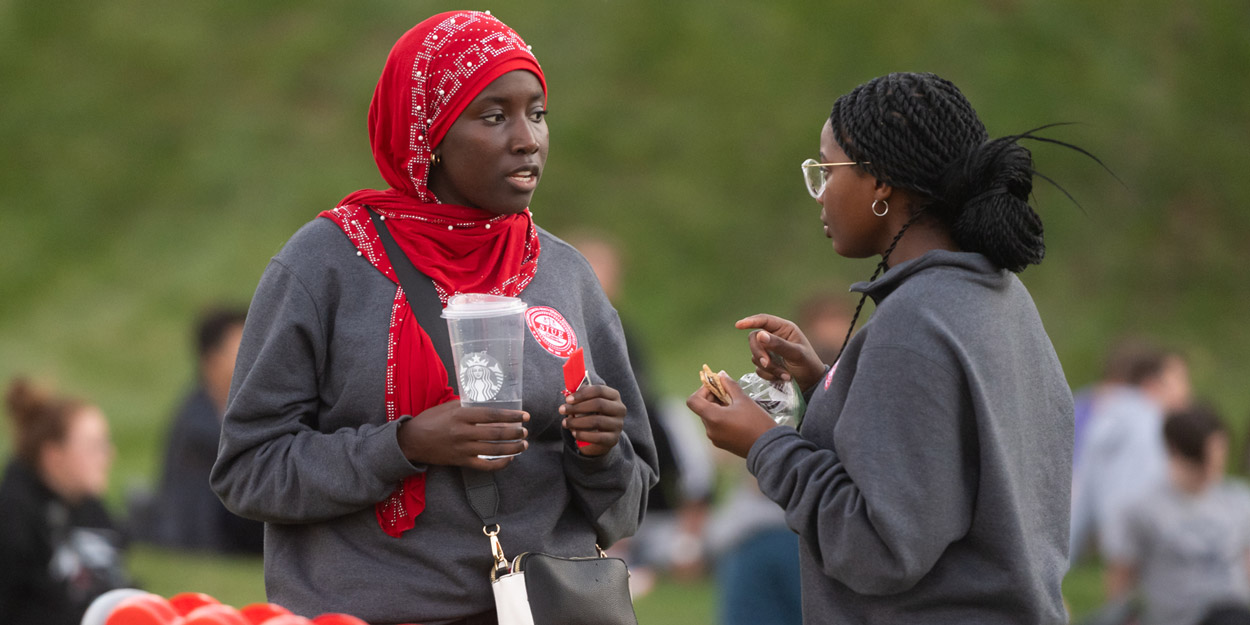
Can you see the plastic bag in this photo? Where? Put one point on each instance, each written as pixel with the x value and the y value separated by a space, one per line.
pixel 781 400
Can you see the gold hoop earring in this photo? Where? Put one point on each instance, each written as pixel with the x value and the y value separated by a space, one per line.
pixel 435 159
pixel 882 213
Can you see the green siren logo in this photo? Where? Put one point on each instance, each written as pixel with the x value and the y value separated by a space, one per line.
pixel 481 377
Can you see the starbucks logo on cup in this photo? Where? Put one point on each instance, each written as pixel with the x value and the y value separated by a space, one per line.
pixel 481 377
pixel 551 331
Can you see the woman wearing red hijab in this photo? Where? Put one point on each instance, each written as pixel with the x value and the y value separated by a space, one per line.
pixel 342 432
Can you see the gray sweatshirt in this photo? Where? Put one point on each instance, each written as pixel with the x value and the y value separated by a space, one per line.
pixel 306 446
pixel 930 481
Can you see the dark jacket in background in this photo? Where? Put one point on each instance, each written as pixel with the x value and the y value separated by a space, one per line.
pixel 185 513
pixel 55 558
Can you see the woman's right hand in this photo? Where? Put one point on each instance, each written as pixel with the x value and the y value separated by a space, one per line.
pixel 780 337
pixel 450 434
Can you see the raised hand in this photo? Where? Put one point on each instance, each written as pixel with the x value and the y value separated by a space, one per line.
pixel 777 337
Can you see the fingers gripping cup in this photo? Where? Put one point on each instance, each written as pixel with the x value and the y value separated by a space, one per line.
pixel 487 344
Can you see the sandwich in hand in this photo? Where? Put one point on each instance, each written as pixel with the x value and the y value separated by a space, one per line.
pixel 713 384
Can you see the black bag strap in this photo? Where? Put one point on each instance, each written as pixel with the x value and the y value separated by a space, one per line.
pixel 479 486
pixel 422 297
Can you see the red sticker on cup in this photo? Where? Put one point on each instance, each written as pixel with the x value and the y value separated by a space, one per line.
pixel 551 331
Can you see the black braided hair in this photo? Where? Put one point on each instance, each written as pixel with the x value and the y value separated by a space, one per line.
pixel 881 266
pixel 918 132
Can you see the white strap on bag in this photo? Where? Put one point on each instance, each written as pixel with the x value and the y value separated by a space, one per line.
pixel 512 606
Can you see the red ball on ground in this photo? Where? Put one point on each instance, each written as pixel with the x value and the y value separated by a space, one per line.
pixel 258 613
pixel 100 609
pixel 215 614
pixel 186 602
pixel 288 619
pixel 145 609
pixel 338 619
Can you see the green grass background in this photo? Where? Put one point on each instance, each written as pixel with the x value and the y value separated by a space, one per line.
pixel 154 155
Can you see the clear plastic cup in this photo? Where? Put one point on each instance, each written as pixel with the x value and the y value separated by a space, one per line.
pixel 487 345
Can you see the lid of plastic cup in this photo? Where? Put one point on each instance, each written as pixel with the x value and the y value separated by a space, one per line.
pixel 479 305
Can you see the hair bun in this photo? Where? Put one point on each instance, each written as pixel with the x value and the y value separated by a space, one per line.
pixel 993 215
pixel 25 401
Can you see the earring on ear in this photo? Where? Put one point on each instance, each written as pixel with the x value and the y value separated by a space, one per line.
pixel 882 213
pixel 435 159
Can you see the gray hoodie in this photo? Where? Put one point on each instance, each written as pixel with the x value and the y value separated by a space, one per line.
pixel 306 446
pixel 930 482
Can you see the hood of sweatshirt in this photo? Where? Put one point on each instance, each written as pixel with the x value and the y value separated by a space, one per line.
pixel 978 267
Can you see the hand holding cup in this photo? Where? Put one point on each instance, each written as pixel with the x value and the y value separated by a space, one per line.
pixel 451 434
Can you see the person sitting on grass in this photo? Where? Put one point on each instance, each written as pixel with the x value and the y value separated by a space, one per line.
pixel 185 513
pixel 1186 545
pixel 59 547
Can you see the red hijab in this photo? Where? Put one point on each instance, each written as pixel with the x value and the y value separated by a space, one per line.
pixel 433 72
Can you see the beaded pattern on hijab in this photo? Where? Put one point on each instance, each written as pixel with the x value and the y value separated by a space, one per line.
pixel 435 85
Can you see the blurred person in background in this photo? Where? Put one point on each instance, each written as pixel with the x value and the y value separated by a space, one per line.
pixel 59 548
pixel 670 540
pixel 1115 373
pixel 930 479
pixel 342 432
pixel 756 553
pixel 185 513
pixel 1184 545
pixel 1122 453
pixel 825 319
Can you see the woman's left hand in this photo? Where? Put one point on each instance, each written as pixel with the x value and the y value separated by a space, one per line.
pixel 735 427
pixel 595 415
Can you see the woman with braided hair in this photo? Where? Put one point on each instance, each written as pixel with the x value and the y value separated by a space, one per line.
pixel 929 481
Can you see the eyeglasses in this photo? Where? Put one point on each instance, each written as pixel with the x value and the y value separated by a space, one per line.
pixel 815 176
